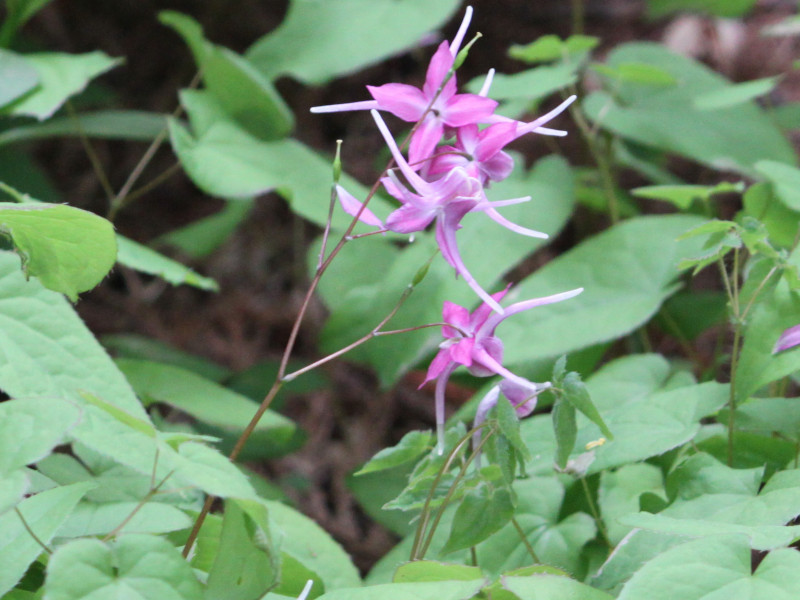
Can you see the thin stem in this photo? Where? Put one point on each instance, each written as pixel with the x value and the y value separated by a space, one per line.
pixel 451 492
pixel 97 165
pixel 737 336
pixel 578 17
pixel 358 342
pixel 595 513
pixel 153 183
pixel 525 541
pixel 30 531
pixel 118 201
pixel 425 514
pixel 153 491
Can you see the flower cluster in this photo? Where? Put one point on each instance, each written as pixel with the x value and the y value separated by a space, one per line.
pixel 455 152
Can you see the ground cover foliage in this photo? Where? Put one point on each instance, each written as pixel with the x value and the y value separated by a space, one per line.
pixel 657 454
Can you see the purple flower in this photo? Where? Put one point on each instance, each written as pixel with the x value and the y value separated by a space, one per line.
pixel 789 339
pixel 470 341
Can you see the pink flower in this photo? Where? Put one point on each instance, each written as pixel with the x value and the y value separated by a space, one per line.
pixel 789 339
pixel 470 341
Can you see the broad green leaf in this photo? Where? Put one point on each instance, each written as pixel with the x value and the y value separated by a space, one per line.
pixel 761 537
pixel 212 472
pixel 785 179
pixel 619 493
pixel 719 8
pixel 146 260
pixel 701 474
pixel 145 348
pixel 552 586
pixel 508 422
pixel 61 76
pixel 17 76
pixel 665 118
pixel 90 519
pixel 375 489
pixel 737 93
pixel 201 238
pixel 223 410
pixel 43 513
pixel 412 446
pixel 550 47
pixel 637 72
pixel 757 365
pixel 424 590
pixel 566 430
pixel 13 487
pixel 683 196
pixel 431 570
pixel 47 351
pixel 134 567
pixel 320 40
pixel 300 537
pixel 225 161
pixel 761 202
pixel 70 250
pixel 241 90
pixel 31 428
pixel 767 416
pixel 131 125
pixel 245 566
pixel 689 313
pixel 718 567
pixel 482 511
pixel 576 393
pixel 621 292
pixel 530 85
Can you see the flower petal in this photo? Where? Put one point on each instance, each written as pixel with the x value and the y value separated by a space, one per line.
pixel 424 140
pixel 410 218
pixel 352 206
pixel 438 68
pixel 403 101
pixel 329 108
pixel 789 339
pixel 463 109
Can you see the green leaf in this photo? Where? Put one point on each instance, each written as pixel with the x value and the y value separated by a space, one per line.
pixel 17 76
pixel 552 586
pixel 531 84
pixel 136 567
pixel 146 260
pixel 719 8
pixel 621 292
pixel 61 76
pixel 767 416
pixel 424 590
pixel 91 518
pixel 665 118
pixel 711 567
pixel 245 566
pixel 223 410
pixel 619 493
pixel 241 90
pixel 13 487
pixel 31 428
pixel 212 472
pixel 551 47
pixel 683 196
pixel 131 125
pixel 225 161
pixel 576 393
pixel 319 41
pixel 785 179
pixel 762 203
pixel 307 542
pixel 413 445
pixel 566 431
pixel 70 250
pixel 637 72
pixel 431 570
pixel 201 238
pixel 737 93
pixel 47 351
pixel 43 513
pixel 508 421
pixel 482 511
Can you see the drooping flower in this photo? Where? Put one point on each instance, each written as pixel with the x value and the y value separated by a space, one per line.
pixel 470 341
pixel 788 339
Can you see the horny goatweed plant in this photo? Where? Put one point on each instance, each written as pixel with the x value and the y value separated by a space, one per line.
pixel 657 466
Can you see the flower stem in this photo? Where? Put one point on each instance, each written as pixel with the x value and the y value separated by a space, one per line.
pixel 525 541
pixel 595 513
